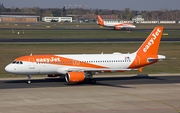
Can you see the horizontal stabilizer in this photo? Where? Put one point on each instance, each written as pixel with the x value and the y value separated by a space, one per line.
pixel 160 57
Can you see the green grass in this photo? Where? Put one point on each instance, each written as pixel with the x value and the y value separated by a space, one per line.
pixel 82 34
pixel 171 50
pixel 64 30
pixel 42 25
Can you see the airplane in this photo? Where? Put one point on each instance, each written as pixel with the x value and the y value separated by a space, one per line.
pixel 116 26
pixel 78 67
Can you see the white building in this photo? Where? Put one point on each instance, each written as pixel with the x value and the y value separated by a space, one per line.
pixel 57 19
pixel 138 18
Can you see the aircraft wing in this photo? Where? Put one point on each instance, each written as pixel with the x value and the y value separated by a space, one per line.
pixel 95 69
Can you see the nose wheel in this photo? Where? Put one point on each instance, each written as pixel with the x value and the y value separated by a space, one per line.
pixel 29 79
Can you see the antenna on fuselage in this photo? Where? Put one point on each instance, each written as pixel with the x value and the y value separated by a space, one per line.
pixel 31 54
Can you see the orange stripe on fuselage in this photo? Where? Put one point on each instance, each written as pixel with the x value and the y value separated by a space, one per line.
pixel 57 60
pixel 124 24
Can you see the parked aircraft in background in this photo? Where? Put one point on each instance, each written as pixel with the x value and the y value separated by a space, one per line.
pixel 116 26
pixel 77 67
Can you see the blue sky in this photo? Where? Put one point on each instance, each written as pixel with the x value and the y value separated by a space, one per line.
pixel 148 5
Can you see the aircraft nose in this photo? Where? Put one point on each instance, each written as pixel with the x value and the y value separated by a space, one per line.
pixel 9 69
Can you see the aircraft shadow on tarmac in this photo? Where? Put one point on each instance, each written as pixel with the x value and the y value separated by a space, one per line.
pixel 120 82
pixel 98 79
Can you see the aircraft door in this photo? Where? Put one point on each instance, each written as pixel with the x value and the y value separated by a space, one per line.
pixel 31 63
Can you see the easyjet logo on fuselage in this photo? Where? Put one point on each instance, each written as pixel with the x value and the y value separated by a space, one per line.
pixel 51 59
pixel 152 40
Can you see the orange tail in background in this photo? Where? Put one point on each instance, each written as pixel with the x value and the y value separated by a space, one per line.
pixel 151 44
pixel 100 21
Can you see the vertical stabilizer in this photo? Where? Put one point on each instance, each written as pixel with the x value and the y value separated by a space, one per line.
pixel 100 21
pixel 148 51
pixel 151 44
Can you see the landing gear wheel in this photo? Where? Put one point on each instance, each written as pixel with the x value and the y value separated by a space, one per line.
pixel 28 82
pixel 92 81
pixel 29 79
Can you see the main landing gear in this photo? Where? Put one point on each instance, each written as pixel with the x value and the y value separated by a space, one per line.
pixel 92 81
pixel 29 79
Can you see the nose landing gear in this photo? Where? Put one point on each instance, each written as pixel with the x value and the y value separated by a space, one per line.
pixel 29 79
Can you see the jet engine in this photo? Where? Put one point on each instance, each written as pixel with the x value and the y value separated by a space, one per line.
pixel 75 77
pixel 116 28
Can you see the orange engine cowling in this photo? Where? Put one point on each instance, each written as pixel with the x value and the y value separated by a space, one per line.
pixel 117 28
pixel 54 75
pixel 74 77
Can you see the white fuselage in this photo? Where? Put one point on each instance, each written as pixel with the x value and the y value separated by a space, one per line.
pixel 99 62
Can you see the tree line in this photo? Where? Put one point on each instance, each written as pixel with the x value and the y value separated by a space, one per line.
pixel 126 14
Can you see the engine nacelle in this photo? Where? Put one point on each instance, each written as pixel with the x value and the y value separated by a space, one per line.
pixel 75 77
pixel 120 28
pixel 54 75
pixel 117 28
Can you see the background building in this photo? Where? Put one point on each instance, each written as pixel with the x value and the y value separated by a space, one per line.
pixel 138 18
pixel 57 19
pixel 18 17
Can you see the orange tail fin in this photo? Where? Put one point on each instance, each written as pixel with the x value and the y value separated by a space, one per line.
pixel 151 44
pixel 100 20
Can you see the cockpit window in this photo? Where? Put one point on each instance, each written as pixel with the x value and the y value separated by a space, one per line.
pixel 17 62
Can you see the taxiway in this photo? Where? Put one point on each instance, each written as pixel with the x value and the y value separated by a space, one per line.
pixel 112 94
